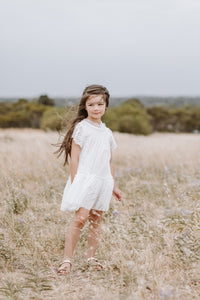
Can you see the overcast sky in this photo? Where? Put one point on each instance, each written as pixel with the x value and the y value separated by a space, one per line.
pixel 134 47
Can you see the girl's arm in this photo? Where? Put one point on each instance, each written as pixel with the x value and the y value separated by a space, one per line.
pixel 75 153
pixel 117 193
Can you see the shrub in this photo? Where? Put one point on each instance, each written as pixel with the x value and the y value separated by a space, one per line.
pixel 5 108
pixel 21 114
pixel 134 103
pixel 184 119
pixel 53 118
pixel 160 118
pixel 14 119
pixel 111 119
pixel 35 112
pixel 134 124
pixel 45 100
pixel 193 122
pixel 130 117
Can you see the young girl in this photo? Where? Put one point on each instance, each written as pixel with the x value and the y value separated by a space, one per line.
pixel 91 183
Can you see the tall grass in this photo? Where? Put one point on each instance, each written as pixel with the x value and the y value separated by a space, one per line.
pixel 151 240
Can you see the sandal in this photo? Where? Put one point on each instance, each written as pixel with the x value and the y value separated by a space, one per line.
pixel 94 263
pixel 64 267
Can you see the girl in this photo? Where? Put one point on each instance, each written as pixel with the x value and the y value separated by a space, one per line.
pixel 91 183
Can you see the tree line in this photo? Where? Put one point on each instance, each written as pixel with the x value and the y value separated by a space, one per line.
pixel 130 117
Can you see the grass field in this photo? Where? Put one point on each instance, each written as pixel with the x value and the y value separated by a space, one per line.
pixel 151 239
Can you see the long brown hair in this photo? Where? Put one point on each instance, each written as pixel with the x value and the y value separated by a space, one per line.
pixel 93 89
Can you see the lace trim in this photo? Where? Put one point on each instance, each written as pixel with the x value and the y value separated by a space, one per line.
pixel 99 125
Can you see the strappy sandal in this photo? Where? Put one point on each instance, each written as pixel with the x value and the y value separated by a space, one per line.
pixel 94 264
pixel 64 267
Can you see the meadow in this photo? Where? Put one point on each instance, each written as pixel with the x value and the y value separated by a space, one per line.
pixel 150 240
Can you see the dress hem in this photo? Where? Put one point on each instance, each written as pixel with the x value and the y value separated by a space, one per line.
pixel 74 210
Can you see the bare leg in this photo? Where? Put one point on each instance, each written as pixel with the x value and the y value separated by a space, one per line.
pixel 74 230
pixel 72 237
pixel 93 231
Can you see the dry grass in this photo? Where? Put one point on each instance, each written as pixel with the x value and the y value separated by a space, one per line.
pixel 152 238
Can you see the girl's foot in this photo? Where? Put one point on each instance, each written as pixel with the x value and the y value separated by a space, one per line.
pixel 94 263
pixel 65 267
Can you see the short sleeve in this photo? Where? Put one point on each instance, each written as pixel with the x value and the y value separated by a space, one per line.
pixel 113 144
pixel 77 135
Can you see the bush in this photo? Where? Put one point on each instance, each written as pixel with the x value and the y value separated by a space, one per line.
pixel 21 114
pixel 14 119
pixel 111 119
pixel 134 103
pixel 5 108
pixel 135 125
pixel 193 123
pixel 160 118
pixel 45 100
pixel 53 118
pixel 130 117
pixel 35 112
pixel 184 119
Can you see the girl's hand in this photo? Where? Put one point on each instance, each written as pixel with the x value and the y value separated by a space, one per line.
pixel 117 193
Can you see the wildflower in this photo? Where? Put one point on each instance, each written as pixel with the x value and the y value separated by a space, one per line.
pixel 166 294
pixel 186 212
pixel 115 213
pixel 63 221
pixel 21 220
pixel 185 233
pixel 131 265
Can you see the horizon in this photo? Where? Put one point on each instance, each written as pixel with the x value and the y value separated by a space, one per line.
pixel 111 96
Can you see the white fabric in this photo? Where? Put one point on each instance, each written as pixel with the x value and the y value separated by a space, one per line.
pixel 93 184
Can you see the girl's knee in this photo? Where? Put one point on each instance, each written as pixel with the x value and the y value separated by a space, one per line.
pixel 80 219
pixel 95 217
pixel 95 214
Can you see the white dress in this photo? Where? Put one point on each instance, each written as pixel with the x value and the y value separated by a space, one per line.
pixel 93 183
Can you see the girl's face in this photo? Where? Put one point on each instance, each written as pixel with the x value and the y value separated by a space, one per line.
pixel 95 107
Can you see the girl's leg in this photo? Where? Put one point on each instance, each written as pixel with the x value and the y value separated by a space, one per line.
pixel 74 230
pixel 93 231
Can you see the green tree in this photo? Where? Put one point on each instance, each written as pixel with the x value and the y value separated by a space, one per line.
pixel 53 118
pixel 45 100
pixel 130 117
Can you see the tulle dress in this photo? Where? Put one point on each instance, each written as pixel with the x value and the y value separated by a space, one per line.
pixel 93 183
